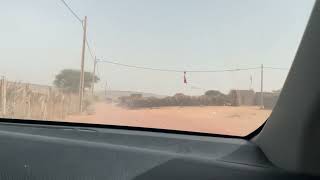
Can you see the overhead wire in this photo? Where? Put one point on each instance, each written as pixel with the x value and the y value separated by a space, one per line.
pixel 224 70
pixel 157 69
pixel 72 11
pixel 138 67
pixel 98 72
pixel 276 68
pixel 81 21
pixel 175 70
pixel 90 50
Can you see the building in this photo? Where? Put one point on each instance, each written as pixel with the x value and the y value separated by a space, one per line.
pixel 242 97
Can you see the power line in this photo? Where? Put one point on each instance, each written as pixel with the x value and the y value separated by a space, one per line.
pixel 276 68
pixel 79 19
pixel 174 70
pixel 138 67
pixel 158 69
pixel 225 70
pixel 90 50
pixel 98 72
pixel 70 9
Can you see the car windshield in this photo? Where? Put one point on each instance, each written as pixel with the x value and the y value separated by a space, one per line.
pixel 212 66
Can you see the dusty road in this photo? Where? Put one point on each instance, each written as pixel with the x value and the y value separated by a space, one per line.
pixel 238 121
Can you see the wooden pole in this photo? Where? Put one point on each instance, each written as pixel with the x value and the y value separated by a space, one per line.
pixel 93 75
pixel 261 91
pixel 29 106
pixel 81 85
pixel 3 96
pixel 26 101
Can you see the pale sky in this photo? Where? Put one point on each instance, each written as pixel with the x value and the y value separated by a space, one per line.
pixel 41 37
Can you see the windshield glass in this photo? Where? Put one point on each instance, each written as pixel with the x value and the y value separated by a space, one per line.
pixel 213 66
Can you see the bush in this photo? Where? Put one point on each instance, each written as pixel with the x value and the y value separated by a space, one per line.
pixel 211 98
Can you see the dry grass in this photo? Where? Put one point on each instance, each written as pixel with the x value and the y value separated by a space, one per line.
pixel 29 101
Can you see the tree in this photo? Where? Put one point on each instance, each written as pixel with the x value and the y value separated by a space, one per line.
pixel 213 93
pixel 69 79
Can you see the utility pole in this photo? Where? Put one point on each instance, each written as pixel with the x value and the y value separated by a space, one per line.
pixel 105 89
pixel 81 86
pixel 3 85
pixel 261 92
pixel 93 75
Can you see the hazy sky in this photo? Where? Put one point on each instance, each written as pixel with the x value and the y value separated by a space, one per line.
pixel 40 37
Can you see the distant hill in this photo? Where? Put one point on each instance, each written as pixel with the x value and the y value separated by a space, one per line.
pixel 114 94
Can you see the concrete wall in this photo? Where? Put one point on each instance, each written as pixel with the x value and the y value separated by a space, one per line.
pixel 251 98
pixel 242 97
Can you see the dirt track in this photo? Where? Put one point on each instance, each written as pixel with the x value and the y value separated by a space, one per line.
pixel 213 119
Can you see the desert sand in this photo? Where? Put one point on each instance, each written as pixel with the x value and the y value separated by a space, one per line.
pixel 238 121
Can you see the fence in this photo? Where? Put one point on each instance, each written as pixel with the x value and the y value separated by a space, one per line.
pixel 30 101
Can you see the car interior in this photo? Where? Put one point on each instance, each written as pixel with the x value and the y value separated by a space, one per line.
pixel 285 147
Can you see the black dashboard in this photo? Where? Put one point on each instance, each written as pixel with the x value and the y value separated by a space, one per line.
pixel 30 151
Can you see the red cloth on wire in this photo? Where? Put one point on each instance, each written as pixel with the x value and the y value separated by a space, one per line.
pixel 184 78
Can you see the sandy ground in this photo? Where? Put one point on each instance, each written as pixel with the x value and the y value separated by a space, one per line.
pixel 238 121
